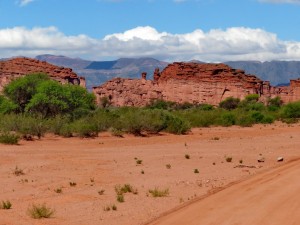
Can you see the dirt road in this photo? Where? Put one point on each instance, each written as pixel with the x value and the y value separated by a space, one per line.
pixel 268 198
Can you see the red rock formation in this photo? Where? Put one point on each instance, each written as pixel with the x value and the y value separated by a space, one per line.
pixel 18 67
pixel 194 83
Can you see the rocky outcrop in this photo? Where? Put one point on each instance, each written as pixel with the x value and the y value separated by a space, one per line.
pixel 195 83
pixel 18 67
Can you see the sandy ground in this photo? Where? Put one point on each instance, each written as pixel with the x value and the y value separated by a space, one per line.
pixel 104 162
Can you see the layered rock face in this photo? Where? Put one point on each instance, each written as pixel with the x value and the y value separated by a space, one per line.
pixel 194 83
pixel 19 67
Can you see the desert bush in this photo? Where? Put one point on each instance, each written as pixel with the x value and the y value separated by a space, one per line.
pixel 84 128
pixel 274 103
pixel 105 119
pixel 5 205
pixel 40 211
pixel 120 198
pixel 227 119
pixel 177 125
pixel 10 122
pixel 161 104
pixel 252 98
pixel 205 107
pixel 9 138
pixel 229 103
pixel 244 120
pixel 34 126
pixel 126 188
pixel 156 192
pixel 18 171
pixel 198 117
pixel 291 110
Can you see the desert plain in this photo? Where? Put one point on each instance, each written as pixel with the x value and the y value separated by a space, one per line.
pixel 203 187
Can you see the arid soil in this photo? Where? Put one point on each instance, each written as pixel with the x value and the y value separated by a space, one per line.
pixel 266 195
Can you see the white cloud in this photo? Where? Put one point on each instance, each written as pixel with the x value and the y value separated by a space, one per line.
pixel 24 2
pixel 236 43
pixel 282 1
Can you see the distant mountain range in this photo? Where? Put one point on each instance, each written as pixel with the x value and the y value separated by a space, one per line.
pixel 98 72
pixel 277 72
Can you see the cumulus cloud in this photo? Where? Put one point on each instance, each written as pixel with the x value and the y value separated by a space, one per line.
pixel 236 43
pixel 24 2
pixel 282 1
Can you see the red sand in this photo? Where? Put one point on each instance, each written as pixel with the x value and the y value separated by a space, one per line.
pixel 106 161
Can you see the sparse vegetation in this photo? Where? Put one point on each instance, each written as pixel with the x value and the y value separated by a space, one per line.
pixel 159 193
pixel 35 105
pixel 126 188
pixel 110 207
pixel 18 171
pixel 58 190
pixel 9 138
pixel 168 166
pixel 5 205
pixel 139 161
pixel 120 198
pixel 228 159
pixel 72 184
pixel 121 190
pixel 40 211
pixel 101 192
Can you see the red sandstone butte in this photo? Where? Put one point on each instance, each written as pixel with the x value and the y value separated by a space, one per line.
pixel 18 67
pixel 196 83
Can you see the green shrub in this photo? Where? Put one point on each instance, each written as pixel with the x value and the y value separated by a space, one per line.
pixel 84 128
pixel 291 110
pixel 33 126
pixel 176 125
pixel 205 107
pixel 161 104
pixel 252 98
pixel 227 119
pixel 245 120
pixel 6 105
pixel 9 138
pixel 274 102
pixel 229 103
pixel 199 118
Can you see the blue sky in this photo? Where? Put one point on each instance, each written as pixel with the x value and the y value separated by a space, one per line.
pixel 207 30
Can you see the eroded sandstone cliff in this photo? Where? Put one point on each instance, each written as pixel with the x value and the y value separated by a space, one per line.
pixel 17 67
pixel 194 83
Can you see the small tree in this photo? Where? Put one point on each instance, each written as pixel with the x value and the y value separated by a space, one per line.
pixel 39 95
pixel 21 90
